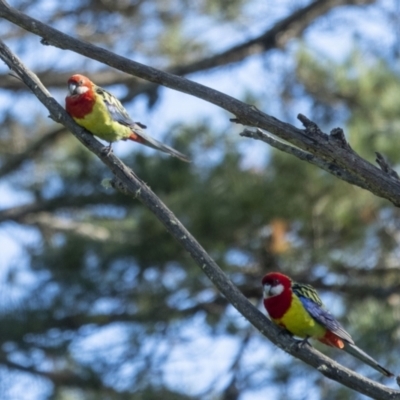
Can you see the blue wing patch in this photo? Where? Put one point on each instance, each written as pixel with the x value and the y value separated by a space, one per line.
pixel 325 318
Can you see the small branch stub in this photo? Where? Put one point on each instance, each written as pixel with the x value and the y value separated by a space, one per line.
pixel 385 166
pixel 311 127
pixel 337 134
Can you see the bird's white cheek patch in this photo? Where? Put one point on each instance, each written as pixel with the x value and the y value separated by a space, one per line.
pixel 275 290
pixel 82 89
pixel 270 291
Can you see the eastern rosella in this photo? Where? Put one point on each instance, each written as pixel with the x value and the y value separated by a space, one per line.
pixel 103 115
pixel 298 308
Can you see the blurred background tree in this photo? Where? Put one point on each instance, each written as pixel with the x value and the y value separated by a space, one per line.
pixel 97 301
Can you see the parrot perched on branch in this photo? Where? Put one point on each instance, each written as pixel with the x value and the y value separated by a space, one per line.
pixel 298 308
pixel 103 115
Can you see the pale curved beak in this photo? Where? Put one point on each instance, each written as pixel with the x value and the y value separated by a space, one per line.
pixel 72 88
pixel 266 291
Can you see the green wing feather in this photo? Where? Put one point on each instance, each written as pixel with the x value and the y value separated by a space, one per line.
pixel 307 291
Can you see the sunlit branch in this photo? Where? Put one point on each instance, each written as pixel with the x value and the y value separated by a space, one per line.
pixel 314 159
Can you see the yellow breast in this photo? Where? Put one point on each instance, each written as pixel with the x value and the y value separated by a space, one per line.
pixel 100 123
pixel 299 322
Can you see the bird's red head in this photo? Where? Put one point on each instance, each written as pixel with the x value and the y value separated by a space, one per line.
pixel 275 284
pixel 79 84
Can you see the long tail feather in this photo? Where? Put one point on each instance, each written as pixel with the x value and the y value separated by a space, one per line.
pixel 139 135
pixel 361 355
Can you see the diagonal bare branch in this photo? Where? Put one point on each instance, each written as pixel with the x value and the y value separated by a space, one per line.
pixel 330 167
pixel 275 37
pixel 127 182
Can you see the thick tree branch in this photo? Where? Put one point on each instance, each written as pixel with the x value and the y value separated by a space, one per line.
pixel 275 37
pixel 126 181
pixel 330 167
pixel 325 147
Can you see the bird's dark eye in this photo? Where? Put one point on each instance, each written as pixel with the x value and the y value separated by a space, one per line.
pixel 80 82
